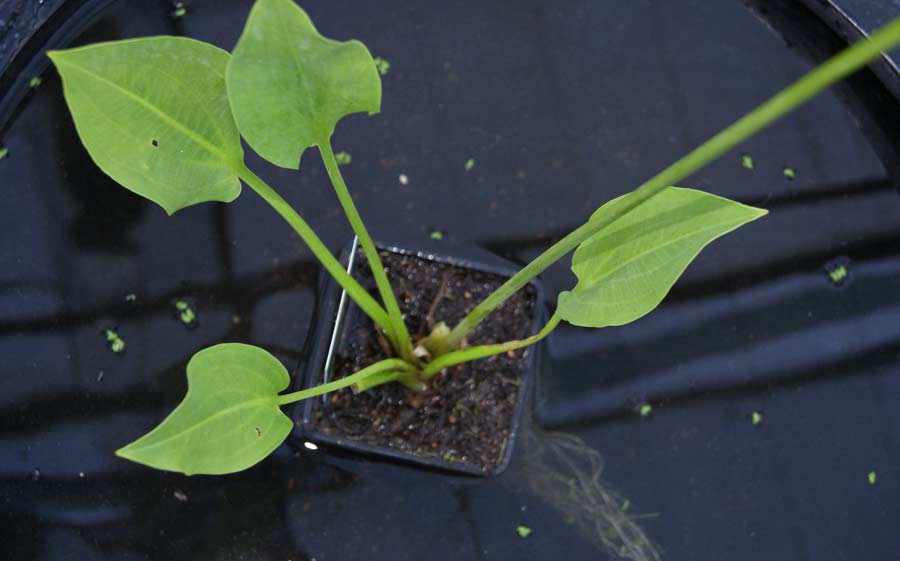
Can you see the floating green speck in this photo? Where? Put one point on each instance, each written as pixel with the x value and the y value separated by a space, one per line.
pixel 115 343
pixel 185 312
pixel 3 152
pixel 382 65
pixel 470 163
pixel 838 274
pixel 838 270
pixel 523 531
pixel 747 161
pixel 436 235
pixel 872 478
pixel 790 173
pixel 188 316
pixel 343 158
pixel 34 82
pixel 645 409
pixel 625 505
pixel 179 12
pixel 756 418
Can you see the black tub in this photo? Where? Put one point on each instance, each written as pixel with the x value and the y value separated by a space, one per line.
pixel 562 106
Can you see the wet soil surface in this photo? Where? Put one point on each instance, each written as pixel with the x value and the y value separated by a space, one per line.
pixel 466 415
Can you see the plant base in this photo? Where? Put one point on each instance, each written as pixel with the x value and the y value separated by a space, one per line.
pixel 468 418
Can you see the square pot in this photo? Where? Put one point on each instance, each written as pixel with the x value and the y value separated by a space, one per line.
pixel 336 318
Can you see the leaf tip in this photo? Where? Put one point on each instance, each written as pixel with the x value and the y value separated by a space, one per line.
pixel 757 213
pixel 55 57
pixel 125 452
pixel 58 56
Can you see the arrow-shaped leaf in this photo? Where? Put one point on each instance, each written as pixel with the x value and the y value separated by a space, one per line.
pixel 153 114
pixel 625 270
pixel 289 85
pixel 229 419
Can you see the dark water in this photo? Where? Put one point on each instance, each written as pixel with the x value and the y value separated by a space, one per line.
pixel 562 106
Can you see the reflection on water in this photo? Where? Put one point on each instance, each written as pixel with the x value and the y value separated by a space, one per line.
pixel 566 473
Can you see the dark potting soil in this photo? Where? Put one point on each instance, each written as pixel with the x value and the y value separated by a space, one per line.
pixel 466 414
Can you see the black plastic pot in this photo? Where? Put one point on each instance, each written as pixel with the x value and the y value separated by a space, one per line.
pixel 333 320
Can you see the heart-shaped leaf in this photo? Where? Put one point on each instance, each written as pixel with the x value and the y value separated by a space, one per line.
pixel 289 85
pixel 229 419
pixel 153 114
pixel 626 269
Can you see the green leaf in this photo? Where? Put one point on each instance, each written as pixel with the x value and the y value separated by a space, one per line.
pixel 626 269
pixel 229 419
pixel 153 114
pixel 289 86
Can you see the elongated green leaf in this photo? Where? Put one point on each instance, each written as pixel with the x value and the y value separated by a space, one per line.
pixel 229 419
pixel 289 86
pixel 153 114
pixel 625 270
